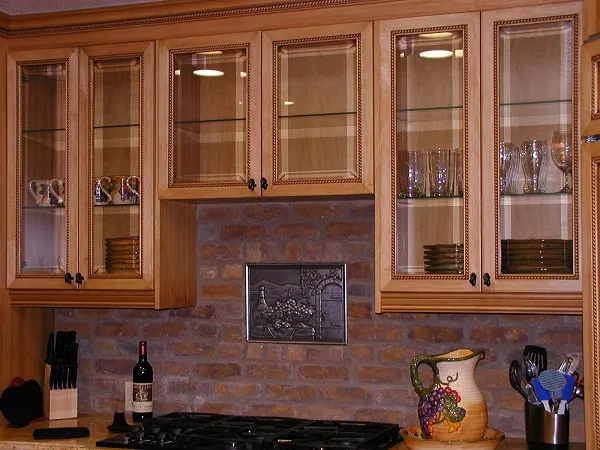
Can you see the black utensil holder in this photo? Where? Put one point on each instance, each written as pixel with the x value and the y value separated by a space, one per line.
pixel 545 430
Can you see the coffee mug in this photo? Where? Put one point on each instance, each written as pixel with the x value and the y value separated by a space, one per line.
pixel 43 191
pixel 117 189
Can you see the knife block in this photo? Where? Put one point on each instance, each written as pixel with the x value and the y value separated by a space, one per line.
pixel 58 403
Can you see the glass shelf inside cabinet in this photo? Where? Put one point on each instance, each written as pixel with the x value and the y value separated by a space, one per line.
pixel 429 153
pixel 317 109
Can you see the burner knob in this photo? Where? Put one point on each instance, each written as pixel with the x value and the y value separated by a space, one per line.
pixel 160 437
pixel 155 429
pixel 139 435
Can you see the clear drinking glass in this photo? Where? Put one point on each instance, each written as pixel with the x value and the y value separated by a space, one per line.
pixel 456 163
pixel 412 178
pixel 440 178
pixel 534 159
pixel 508 155
pixel 561 150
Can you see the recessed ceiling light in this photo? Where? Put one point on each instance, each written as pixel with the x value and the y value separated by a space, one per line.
pixel 436 54
pixel 288 103
pixel 459 53
pixel 208 73
pixel 243 74
pixel 438 35
pixel 210 52
pixel 177 72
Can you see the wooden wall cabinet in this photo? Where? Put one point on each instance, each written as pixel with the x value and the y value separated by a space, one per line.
pixel 274 113
pixel 81 194
pixel 462 225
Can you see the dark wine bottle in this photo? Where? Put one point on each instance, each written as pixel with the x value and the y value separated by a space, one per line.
pixel 142 386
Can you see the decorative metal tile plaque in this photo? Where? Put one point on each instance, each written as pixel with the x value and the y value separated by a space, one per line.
pixel 296 303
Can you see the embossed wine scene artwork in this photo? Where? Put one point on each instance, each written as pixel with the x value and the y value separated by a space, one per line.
pixel 296 303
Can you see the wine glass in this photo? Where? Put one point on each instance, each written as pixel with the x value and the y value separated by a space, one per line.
pixel 561 150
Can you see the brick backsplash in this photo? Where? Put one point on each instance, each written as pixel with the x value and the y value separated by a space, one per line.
pixel 202 362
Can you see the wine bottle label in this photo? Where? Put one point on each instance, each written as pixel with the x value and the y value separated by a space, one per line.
pixel 142 397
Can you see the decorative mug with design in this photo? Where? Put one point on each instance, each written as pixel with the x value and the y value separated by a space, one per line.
pixel 117 189
pixel 43 191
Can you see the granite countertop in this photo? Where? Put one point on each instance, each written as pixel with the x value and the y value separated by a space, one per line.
pixel 21 438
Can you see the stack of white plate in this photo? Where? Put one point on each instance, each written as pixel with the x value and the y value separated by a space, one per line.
pixel 444 258
pixel 123 254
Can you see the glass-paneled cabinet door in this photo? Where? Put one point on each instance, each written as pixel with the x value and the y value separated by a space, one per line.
pixel 317 111
pixel 428 191
pixel 209 116
pixel 41 168
pixel 117 195
pixel 531 148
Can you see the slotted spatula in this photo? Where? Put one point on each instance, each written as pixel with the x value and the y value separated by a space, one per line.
pixel 538 355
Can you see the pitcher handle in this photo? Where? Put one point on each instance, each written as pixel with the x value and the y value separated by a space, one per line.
pixel 131 188
pixel 414 374
pixel 101 186
pixel 59 198
pixel 36 197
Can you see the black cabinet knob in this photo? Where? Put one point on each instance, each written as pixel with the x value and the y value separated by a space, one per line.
pixel 487 280
pixel 251 184
pixel 78 278
pixel 263 184
pixel 473 279
pixel 68 278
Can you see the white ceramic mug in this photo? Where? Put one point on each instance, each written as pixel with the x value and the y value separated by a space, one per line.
pixel 43 191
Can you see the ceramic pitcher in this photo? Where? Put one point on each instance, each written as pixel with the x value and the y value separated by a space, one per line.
pixel 452 407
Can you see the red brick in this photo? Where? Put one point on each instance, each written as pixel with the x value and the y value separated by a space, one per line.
pixel 231 351
pixel 360 270
pixel 231 332
pixel 104 348
pixel 326 412
pixel 363 210
pixel 174 368
pixel 83 329
pixel 292 393
pixel 89 313
pixel 492 378
pixel 183 385
pixel 348 230
pixel 267 372
pixel 360 310
pixel 273 410
pixel 296 230
pixel 115 366
pixel 233 271
pixel 164 329
pixel 208 213
pixel 396 354
pixel 345 394
pixel 329 373
pixel 361 352
pixel 498 335
pixel 116 329
pixel 200 312
pixel 565 336
pixel 375 332
pixel 379 415
pixel 293 353
pixel 246 232
pixel 237 390
pixel 394 396
pixel 202 350
pixel 318 210
pixel 221 291
pixel 206 330
pixel 437 334
pixel 218 371
pixel 212 407
pixel 219 252
pixel 381 374
pixel 232 309
pixel 301 251
pixel 265 212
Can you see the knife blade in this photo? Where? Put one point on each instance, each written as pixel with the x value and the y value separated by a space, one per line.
pixel 50 348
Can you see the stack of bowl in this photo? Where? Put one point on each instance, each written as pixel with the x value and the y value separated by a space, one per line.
pixel 537 256
pixel 123 254
pixel 444 258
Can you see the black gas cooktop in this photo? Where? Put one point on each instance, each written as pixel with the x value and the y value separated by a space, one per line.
pixel 203 431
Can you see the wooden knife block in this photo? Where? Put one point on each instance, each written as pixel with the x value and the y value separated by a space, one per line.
pixel 58 403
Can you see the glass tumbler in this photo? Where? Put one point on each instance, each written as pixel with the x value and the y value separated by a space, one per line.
pixel 508 156
pixel 457 167
pixel 440 177
pixel 413 174
pixel 534 160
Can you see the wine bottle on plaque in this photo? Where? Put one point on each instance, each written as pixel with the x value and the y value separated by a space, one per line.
pixel 142 386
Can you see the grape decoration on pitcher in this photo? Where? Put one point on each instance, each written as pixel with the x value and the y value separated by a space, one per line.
pixel 452 407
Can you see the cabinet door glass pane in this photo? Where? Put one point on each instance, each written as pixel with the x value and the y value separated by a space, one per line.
pixel 317 113
pixel 42 149
pixel 536 147
pixel 210 119
pixel 428 79
pixel 116 154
